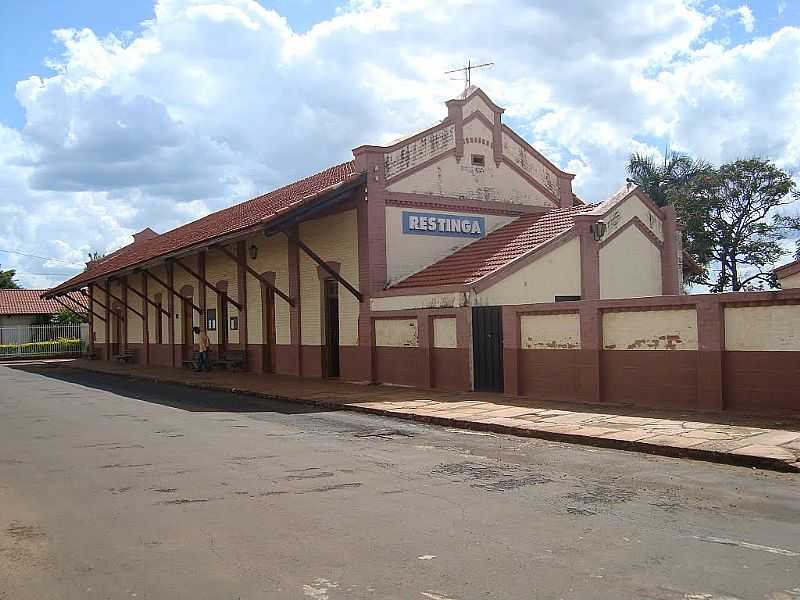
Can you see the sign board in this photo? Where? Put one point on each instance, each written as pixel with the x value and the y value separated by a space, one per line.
pixel 443 225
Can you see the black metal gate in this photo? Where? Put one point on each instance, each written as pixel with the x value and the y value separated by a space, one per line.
pixel 487 348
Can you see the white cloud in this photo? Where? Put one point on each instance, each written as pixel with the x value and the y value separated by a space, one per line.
pixel 216 100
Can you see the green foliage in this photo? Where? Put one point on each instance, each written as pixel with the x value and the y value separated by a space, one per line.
pixel 790 225
pixel 743 240
pixel 67 317
pixel 7 280
pixel 61 345
pixel 725 214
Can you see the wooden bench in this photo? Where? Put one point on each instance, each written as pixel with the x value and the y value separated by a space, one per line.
pixel 232 359
pixel 194 362
pixel 123 357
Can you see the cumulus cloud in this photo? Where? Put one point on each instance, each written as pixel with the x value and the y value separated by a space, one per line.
pixel 212 101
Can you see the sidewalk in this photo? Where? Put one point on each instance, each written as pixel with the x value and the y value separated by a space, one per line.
pixel 772 443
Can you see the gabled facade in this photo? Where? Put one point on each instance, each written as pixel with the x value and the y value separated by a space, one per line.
pixel 355 269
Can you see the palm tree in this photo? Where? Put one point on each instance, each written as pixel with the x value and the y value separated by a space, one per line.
pixel 665 183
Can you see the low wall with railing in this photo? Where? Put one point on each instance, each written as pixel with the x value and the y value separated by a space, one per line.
pixel 36 341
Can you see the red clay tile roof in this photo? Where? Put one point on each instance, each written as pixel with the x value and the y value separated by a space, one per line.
pixel 28 302
pixel 229 220
pixel 496 250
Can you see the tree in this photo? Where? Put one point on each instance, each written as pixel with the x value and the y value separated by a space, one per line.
pixel 7 280
pixel 67 317
pixel 676 182
pixel 738 200
pixel 791 225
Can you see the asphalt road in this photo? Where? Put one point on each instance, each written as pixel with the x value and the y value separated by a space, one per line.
pixel 111 488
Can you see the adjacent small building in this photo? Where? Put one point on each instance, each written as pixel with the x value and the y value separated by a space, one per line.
pixel 27 307
pixel 788 275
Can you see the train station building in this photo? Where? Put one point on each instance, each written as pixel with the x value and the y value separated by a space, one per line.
pixel 434 261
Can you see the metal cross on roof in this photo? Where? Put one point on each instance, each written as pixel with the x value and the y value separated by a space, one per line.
pixel 467 70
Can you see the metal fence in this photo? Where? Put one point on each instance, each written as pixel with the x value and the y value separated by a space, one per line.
pixel 43 340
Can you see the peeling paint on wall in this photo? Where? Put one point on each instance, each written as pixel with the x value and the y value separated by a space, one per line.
pixel 650 330
pixel 530 164
pixel 420 150
pixel 396 333
pixel 763 328
pixel 550 332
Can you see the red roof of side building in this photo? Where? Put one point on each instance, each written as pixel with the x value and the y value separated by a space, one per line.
pixel 224 222
pixel 28 302
pixel 499 248
pixel 788 269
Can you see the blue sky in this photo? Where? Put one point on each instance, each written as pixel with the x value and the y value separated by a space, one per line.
pixel 115 116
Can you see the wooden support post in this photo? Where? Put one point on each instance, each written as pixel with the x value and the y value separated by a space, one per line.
pixel 214 288
pixel 169 287
pixel 326 267
pixel 91 318
pixel 124 289
pixel 202 292
pixel 108 323
pixel 241 280
pixel 255 274
pixel 146 320
pixel 171 309
pixel 295 326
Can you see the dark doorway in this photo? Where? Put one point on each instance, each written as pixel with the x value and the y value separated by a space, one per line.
pixel 222 324
pixel 188 336
pixel 116 333
pixel 487 348
pixel 331 300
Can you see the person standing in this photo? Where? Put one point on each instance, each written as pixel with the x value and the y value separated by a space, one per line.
pixel 204 344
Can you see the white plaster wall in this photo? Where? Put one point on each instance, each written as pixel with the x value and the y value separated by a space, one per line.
pixel 763 328
pixel 420 301
pixel 476 103
pixel 135 326
pixel 396 333
pixel 219 268
pixel 792 281
pixel 529 163
pixel 408 253
pixel 272 255
pixel 650 330
pixel 333 238
pixel 550 332
pixel 630 266
pixel 553 274
pixel 449 177
pixel 633 207
pixel 445 332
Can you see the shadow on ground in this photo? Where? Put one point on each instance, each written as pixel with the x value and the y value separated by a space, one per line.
pixel 169 394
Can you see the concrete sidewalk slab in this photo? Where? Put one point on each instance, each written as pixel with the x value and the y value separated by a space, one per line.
pixel 747 440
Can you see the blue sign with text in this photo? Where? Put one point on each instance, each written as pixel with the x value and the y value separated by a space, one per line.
pixel 442 225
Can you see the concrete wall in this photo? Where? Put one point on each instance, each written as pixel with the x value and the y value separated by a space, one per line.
pixel 409 253
pixel 734 351
pixel 15 320
pixel 555 273
pixel 444 300
pixel 763 328
pixel 630 208
pixel 630 266
pixel 445 334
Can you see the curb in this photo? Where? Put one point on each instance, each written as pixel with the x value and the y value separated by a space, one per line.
pixel 713 456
